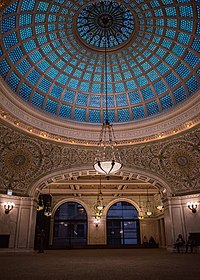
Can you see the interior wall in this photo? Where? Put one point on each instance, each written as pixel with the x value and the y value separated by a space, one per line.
pixel 179 219
pixel 19 224
pixel 98 235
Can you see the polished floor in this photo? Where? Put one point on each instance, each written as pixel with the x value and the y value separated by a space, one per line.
pixel 100 264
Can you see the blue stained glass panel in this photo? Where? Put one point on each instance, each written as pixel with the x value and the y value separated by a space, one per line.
pixel 182 70
pixel 69 96
pixel 10 40
pixel 180 94
pixel 73 83
pixel 186 25
pixel 147 93
pixel 23 67
pixel 123 115
pixel 171 60
pixel 51 106
pixel 8 24
pixel 25 91
pixel 183 38
pixel 44 85
pixel 196 45
pixel 56 91
pixel 13 81
pixel 170 11
pixel 121 100
pixel 15 55
pixel 29 46
pixel 82 99
pixel 160 87
pixel 135 97
pixel 42 6
pixel 52 73
pixel 35 56
pixel 4 68
pixel 25 19
pixel 27 5
pixel 192 59
pixel 79 114
pixel 95 101
pixel 111 115
pixel 11 9
pixel 186 11
pixel 33 77
pixel 43 65
pixel 192 85
pixel 138 112
pixel 65 111
pixel 131 85
pixel 172 80
pixel 153 75
pixel 178 50
pixel 26 33
pixel 110 100
pixel 152 108
pixel 37 99
pixel 142 81
pixel 94 116
pixel 166 102
pixel 96 88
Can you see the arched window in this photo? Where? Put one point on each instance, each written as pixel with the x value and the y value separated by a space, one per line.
pixel 123 224
pixel 70 226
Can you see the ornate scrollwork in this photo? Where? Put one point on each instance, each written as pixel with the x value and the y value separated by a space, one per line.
pixel 25 160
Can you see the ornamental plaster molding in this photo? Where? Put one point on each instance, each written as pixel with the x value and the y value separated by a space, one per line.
pixel 27 160
pixel 16 112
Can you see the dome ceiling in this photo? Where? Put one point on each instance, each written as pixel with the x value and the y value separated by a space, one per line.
pixel 52 56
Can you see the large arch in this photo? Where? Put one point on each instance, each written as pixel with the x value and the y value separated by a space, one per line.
pixel 142 175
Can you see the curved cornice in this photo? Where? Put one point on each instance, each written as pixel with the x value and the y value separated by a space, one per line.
pixel 16 112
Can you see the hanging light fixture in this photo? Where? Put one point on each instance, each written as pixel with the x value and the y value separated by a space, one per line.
pixel 148 206
pixel 99 205
pixel 107 159
pixel 47 210
pixel 40 205
pixel 140 214
pixel 160 206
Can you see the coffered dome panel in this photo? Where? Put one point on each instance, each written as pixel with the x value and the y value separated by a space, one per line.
pixel 51 56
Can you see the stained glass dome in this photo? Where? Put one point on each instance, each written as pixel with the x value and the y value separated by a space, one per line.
pixel 51 56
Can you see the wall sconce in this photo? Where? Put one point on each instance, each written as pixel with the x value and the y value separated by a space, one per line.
pixel 160 207
pixel 8 206
pixel 192 206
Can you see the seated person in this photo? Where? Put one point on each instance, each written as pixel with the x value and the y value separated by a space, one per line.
pixel 152 242
pixel 179 243
pixel 190 244
pixel 145 242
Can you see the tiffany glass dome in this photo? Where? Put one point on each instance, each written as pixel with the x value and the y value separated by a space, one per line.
pixel 52 57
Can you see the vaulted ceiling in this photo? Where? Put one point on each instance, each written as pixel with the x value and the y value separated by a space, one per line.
pixel 52 92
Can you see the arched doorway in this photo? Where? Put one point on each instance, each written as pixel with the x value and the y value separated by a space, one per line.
pixel 123 224
pixel 70 226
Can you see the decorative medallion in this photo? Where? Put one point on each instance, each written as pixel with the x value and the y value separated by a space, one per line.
pixel 180 161
pixel 21 160
pixel 105 22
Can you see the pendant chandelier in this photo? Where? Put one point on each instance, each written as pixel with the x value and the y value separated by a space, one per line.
pixel 99 207
pixel 40 205
pixel 160 206
pixel 107 159
pixel 47 210
pixel 148 206
pixel 140 214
